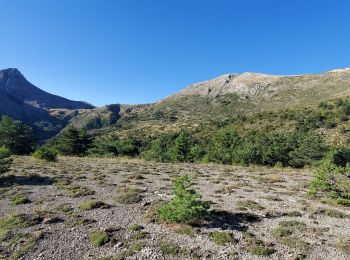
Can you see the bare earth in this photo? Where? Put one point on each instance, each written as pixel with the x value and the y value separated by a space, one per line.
pixel 250 203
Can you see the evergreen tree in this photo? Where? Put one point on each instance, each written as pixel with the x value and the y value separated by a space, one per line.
pixel 221 149
pixel 186 205
pixel 311 147
pixel 182 147
pixel 73 142
pixel 16 136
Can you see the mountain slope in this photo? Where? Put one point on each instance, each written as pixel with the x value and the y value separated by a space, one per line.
pixel 23 101
pixel 231 95
pixel 15 85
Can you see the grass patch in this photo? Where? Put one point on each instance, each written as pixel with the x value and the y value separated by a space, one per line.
pixel 7 224
pixel 19 199
pixel 138 235
pixel 169 249
pixel 128 195
pixel 93 204
pixel 256 246
pixel 330 212
pixel 136 247
pixel 29 242
pixel 136 176
pixel 99 238
pixel 135 227
pixel 222 238
pixel 285 234
pixel 76 191
pixel 248 204
pixel 185 230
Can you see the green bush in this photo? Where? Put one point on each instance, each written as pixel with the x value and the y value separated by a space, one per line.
pixel 340 156
pixel 99 238
pixel 46 154
pixel 114 147
pixel 5 160
pixel 158 149
pixel 185 206
pixel 332 180
pixel 310 148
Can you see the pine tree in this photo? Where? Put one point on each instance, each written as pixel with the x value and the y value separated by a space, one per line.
pixel 16 136
pixel 73 142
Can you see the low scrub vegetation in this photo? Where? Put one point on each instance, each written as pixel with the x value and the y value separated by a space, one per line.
pixel 99 238
pixel 333 181
pixel 185 206
pixel 222 238
pixel 46 154
pixel 5 160
pixel 128 195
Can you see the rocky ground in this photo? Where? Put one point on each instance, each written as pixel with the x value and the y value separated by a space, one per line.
pixel 86 208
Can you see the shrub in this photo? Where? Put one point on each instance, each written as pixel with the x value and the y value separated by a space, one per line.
pixel 99 238
pixel 158 149
pixel 311 147
pixel 185 206
pixel 5 160
pixel 114 147
pixel 340 156
pixel 46 154
pixel 333 181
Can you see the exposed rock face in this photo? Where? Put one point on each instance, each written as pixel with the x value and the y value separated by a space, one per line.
pixel 246 84
pixel 250 85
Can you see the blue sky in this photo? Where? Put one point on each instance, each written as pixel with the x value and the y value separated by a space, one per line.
pixel 130 51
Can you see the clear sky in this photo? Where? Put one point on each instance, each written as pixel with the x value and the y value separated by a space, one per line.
pixel 139 51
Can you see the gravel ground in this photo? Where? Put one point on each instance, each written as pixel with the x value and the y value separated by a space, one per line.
pixel 251 204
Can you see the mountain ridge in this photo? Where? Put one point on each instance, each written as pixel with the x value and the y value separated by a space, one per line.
pixel 218 99
pixel 15 84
